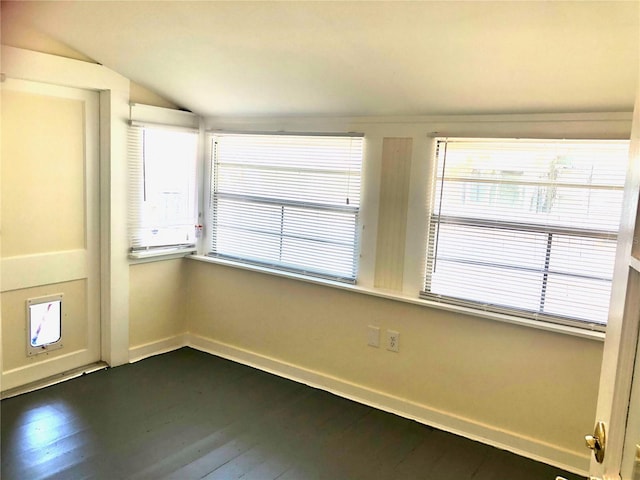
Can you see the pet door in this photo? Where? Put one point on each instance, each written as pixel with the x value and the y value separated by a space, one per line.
pixel 44 329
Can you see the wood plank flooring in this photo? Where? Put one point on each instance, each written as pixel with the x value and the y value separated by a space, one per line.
pixel 189 415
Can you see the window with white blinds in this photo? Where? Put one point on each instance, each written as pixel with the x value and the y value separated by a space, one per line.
pixel 162 187
pixel 526 227
pixel 289 202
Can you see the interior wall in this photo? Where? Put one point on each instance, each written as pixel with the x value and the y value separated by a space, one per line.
pixel 539 388
pixel 140 94
pixel 529 382
pixel 162 318
pixel 156 307
pixel 156 310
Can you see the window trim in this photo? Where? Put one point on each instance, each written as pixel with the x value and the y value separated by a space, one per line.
pixel 158 118
pixel 206 245
pixel 430 256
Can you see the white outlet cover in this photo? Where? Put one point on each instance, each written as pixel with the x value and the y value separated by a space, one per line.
pixel 393 341
pixel 373 336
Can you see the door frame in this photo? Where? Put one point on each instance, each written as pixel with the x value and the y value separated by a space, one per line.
pixel 113 90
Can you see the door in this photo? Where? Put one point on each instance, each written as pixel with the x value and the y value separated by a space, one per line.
pixel 621 431
pixel 49 218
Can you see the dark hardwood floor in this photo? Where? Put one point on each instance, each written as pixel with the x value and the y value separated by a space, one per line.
pixel 187 415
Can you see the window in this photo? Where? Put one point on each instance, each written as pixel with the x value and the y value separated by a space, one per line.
pixel 162 205
pixel 526 227
pixel 289 202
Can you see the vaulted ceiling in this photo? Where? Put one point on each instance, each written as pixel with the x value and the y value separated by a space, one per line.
pixel 359 58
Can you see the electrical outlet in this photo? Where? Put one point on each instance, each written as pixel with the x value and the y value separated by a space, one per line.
pixel 373 336
pixel 636 464
pixel 393 341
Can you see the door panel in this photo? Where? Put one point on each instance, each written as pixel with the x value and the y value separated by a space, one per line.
pixel 621 343
pixel 50 225
pixel 633 419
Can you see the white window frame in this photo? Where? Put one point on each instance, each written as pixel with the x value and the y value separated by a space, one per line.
pixel 157 118
pixel 301 272
pixel 480 307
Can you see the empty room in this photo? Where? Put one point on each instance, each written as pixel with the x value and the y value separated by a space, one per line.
pixel 320 240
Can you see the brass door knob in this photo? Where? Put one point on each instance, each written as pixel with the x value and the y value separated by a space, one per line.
pixel 592 442
pixel 597 442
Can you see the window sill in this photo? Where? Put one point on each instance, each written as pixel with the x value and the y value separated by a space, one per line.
pixel 400 297
pixel 159 254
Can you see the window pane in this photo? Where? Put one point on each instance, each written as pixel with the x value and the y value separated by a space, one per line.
pixel 288 202
pixel 249 231
pixel 579 298
pixel 162 197
pixel 319 240
pixel 492 246
pixel 169 169
pixel 488 285
pixel 527 223
pixel 583 256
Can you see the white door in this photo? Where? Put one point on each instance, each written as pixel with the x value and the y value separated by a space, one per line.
pixel 621 430
pixel 49 250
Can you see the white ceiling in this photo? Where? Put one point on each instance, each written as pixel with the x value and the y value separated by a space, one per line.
pixel 359 58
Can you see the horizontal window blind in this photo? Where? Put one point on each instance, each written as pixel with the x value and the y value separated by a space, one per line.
pixel 526 227
pixel 162 187
pixel 287 201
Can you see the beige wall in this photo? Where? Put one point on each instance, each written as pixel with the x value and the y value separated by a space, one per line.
pixel 140 94
pixel 156 303
pixel 533 383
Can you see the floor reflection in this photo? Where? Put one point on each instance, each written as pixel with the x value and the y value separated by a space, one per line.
pixel 45 441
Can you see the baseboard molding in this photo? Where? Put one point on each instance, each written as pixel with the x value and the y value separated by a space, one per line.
pixel 45 367
pixel 505 440
pixel 140 352
pixel 53 380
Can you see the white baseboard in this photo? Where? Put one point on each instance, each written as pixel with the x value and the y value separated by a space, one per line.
pixel 46 367
pixel 140 352
pixel 53 380
pixel 502 439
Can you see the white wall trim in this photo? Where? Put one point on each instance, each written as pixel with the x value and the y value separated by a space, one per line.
pixel 43 67
pixel 603 125
pixel 163 116
pixel 39 369
pixel 502 439
pixel 168 344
